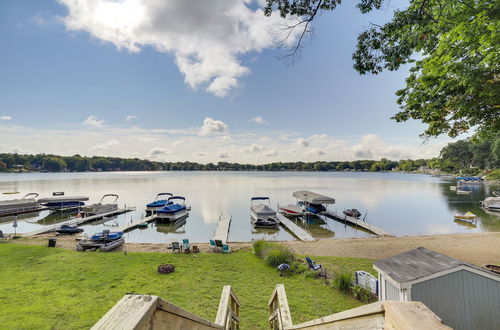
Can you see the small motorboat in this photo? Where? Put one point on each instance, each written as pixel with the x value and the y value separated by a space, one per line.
pixel 105 241
pixel 352 213
pixel 67 229
pixel 99 208
pixel 468 217
pixel 173 211
pixel 464 192
pixel 291 210
pixel 158 203
pixel 262 215
pixel 106 235
pixel 312 202
pixel 491 204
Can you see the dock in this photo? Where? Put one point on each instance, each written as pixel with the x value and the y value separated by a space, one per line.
pixel 77 221
pixel 294 228
pixel 356 222
pixel 222 231
pixel 134 224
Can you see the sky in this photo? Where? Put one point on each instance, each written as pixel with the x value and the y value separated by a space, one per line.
pixel 194 80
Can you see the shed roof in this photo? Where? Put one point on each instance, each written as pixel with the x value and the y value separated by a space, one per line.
pixel 312 197
pixel 419 263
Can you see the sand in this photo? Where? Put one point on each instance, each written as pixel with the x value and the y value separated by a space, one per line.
pixel 477 248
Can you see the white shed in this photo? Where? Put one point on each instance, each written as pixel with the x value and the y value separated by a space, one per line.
pixel 464 296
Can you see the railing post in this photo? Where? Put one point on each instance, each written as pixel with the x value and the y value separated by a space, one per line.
pixel 228 314
pixel 279 312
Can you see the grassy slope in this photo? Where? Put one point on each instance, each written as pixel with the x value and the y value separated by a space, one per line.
pixel 49 288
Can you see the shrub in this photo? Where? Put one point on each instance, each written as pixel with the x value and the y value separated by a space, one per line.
pixel 493 175
pixel 343 281
pixel 278 256
pixel 259 246
pixel 362 294
pixel 310 274
pixel 298 267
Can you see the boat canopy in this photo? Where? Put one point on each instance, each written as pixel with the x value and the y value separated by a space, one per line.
pixel 164 194
pixel 469 178
pixel 312 198
pixel 63 199
pixel 259 198
pixel 177 197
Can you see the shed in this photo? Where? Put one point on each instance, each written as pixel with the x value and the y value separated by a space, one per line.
pixel 464 296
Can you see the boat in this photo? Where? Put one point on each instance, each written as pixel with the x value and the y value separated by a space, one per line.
pixel 262 215
pixel 99 208
pixel 470 180
pixel 312 202
pixel 291 210
pixel 142 225
pixel 10 192
pixel 158 203
pixel 352 213
pixel 173 211
pixel 105 241
pixel 22 205
pixel 468 217
pixel 67 229
pixel 453 188
pixel 464 192
pixel 61 202
pixel 491 204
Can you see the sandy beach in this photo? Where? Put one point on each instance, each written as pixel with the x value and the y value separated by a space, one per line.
pixel 477 248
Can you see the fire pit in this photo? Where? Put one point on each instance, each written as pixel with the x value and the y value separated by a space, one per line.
pixel 166 269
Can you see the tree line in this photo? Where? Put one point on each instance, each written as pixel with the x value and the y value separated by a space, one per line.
pixel 468 156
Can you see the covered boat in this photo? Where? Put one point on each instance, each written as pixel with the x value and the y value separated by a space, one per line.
pixel 99 208
pixel 173 211
pixel 352 213
pixel 61 202
pixel 104 241
pixel 106 235
pixel 312 202
pixel 262 215
pixel 158 203
pixel 470 180
pixel 67 229
pixel 491 204
pixel 21 205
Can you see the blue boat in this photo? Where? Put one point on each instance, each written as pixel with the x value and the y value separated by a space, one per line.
pixel 61 202
pixel 66 229
pixel 311 208
pixel 158 203
pixel 173 211
pixel 107 236
pixel 312 202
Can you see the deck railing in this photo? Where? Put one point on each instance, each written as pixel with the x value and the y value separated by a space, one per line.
pixel 228 314
pixel 279 312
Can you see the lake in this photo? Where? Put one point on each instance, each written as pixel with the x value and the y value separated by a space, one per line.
pixel 401 204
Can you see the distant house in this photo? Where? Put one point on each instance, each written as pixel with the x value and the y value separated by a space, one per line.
pixel 462 295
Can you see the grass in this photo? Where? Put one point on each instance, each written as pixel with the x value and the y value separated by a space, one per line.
pixel 51 288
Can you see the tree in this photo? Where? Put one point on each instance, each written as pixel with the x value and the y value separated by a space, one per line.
pixel 455 83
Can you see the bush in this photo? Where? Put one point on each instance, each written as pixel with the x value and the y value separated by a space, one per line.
pixel 278 256
pixel 310 274
pixel 259 247
pixel 298 267
pixel 493 175
pixel 343 281
pixel 362 294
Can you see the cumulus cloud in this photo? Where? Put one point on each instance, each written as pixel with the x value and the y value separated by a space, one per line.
pixel 254 148
pixel 211 126
pixel 93 121
pixel 157 152
pixel 206 37
pixel 271 153
pixel 105 146
pixel 303 142
pixel 222 154
pixel 5 118
pixel 200 154
pixel 259 120
pixel 315 152
pixel 130 117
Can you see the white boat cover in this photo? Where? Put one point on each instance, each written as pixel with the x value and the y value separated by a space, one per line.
pixel 291 208
pixel 313 198
pixel 263 211
pixel 63 199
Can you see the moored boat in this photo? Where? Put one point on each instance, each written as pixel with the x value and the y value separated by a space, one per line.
pixel 352 213
pixel 466 215
pixel 173 211
pixel 105 241
pixel 61 202
pixel 99 208
pixel 158 203
pixel 491 204
pixel 67 229
pixel 464 192
pixel 22 205
pixel 291 210
pixel 263 215
pixel 312 202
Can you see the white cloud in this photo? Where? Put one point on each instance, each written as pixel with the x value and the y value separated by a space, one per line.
pixel 315 152
pixel 271 153
pixel 200 154
pixel 5 118
pixel 259 120
pixel 105 146
pixel 93 121
pixel 254 148
pixel 211 126
pixel 223 154
pixel 303 142
pixel 130 117
pixel 157 152
pixel 206 37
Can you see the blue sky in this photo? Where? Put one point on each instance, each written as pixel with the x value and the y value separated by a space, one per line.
pixel 192 76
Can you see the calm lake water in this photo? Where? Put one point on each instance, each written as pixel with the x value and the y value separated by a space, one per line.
pixel 402 204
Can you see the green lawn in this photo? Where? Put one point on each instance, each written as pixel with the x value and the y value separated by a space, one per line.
pixel 51 288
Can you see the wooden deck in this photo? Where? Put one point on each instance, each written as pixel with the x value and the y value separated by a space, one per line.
pixel 134 224
pixel 356 223
pixel 77 221
pixel 294 228
pixel 222 231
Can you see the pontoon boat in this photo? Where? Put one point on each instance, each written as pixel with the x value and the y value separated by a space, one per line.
pixel 100 207
pixel 173 211
pixel 21 205
pixel 491 204
pixel 158 203
pixel 263 215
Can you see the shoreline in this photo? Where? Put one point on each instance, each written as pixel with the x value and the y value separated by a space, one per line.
pixel 476 248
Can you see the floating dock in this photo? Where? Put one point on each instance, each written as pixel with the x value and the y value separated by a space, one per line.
pixel 134 224
pixel 222 231
pixel 77 221
pixel 356 222
pixel 294 228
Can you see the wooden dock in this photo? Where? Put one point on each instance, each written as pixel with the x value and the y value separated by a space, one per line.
pixel 296 230
pixel 222 231
pixel 77 221
pixel 356 223
pixel 131 225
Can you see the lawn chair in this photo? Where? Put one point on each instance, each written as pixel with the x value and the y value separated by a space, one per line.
pixel 219 245
pixel 3 237
pixel 176 246
pixel 312 265
pixel 212 244
pixel 196 249
pixel 226 248
pixel 185 245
